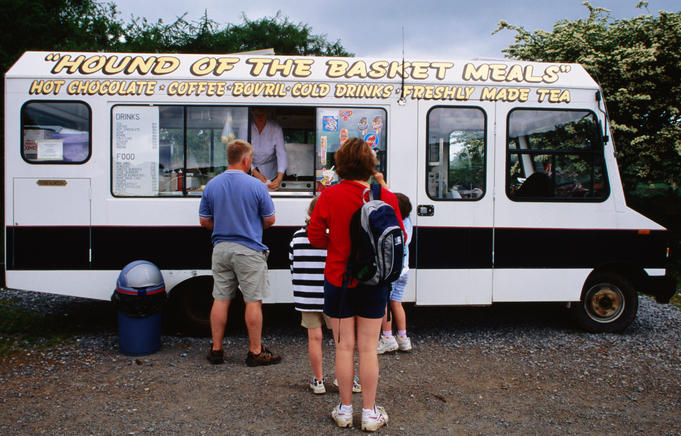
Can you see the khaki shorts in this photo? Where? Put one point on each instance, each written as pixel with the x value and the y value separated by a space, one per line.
pixel 313 320
pixel 236 266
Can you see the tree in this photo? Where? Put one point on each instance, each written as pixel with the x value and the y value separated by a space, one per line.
pixel 637 62
pixel 90 25
pixel 285 37
pixel 140 35
pixel 56 25
pixel 206 36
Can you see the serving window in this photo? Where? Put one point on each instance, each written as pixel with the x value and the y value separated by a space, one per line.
pixel 55 132
pixel 174 150
pixel 334 126
pixel 555 155
pixel 171 150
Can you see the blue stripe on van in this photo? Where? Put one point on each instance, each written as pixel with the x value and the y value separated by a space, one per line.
pixel 452 248
pixel 555 248
pixel 64 248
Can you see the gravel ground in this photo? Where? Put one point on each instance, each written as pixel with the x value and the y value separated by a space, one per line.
pixel 507 369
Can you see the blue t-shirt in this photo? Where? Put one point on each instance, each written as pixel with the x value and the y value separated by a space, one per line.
pixel 409 229
pixel 237 204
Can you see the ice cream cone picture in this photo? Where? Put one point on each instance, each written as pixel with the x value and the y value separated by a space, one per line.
pixel 377 124
pixel 322 152
pixel 363 126
pixel 343 135
pixel 328 176
pixel 372 140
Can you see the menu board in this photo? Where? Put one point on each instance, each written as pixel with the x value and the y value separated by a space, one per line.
pixel 135 150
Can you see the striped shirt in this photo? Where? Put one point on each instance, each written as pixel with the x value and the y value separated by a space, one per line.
pixel 307 273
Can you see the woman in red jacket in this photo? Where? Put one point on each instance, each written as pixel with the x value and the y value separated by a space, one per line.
pixel 359 319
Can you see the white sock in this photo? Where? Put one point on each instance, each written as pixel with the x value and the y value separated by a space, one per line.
pixel 368 412
pixel 345 409
pixel 387 334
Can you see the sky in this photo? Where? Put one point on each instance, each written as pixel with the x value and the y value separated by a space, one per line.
pixel 433 29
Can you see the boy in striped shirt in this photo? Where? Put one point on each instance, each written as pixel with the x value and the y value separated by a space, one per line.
pixel 307 275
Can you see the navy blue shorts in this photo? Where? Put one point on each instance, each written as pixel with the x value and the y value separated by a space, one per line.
pixel 364 301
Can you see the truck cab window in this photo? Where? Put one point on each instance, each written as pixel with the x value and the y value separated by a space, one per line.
pixel 555 155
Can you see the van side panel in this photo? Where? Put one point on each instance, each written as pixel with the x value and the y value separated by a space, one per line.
pixel 68 233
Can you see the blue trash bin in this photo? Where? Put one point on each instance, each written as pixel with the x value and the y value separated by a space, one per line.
pixel 139 296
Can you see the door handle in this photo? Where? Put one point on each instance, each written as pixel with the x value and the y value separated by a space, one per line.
pixel 425 210
pixel 51 182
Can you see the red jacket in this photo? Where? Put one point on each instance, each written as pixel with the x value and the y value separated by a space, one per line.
pixel 333 211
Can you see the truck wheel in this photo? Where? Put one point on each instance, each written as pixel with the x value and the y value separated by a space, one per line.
pixel 609 304
pixel 190 304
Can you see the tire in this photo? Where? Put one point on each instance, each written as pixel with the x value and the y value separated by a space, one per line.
pixel 609 304
pixel 190 305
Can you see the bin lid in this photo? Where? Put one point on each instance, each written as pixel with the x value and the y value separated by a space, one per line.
pixel 140 277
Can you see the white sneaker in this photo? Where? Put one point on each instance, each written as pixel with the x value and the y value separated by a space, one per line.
pixel 375 420
pixel 386 345
pixel 356 387
pixel 343 419
pixel 403 343
pixel 317 386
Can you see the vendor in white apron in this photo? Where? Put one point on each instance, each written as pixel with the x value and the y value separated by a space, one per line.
pixel 269 154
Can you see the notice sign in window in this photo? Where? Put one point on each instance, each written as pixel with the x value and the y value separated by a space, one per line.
pixel 135 150
pixel 50 149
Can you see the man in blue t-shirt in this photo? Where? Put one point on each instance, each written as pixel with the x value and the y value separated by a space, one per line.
pixel 237 208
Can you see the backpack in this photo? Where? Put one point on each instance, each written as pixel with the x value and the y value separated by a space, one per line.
pixel 377 241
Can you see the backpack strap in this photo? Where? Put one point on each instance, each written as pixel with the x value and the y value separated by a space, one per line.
pixel 388 312
pixel 375 191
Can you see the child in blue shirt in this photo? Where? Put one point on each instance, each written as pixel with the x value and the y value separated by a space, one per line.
pixel 388 342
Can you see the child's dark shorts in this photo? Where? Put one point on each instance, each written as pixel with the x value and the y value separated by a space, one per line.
pixel 364 301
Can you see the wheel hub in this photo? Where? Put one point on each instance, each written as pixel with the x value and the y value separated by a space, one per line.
pixel 605 303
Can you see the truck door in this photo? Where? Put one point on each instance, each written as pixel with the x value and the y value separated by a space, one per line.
pixel 51 224
pixel 455 204
pixel 552 201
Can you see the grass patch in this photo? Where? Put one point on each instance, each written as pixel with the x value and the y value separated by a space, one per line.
pixel 676 300
pixel 20 328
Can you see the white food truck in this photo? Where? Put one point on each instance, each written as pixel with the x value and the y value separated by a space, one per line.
pixel 509 165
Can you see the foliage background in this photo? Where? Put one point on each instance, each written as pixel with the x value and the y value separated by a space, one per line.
pixel 637 62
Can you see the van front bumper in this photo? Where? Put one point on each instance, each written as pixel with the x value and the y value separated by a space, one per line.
pixel 662 288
